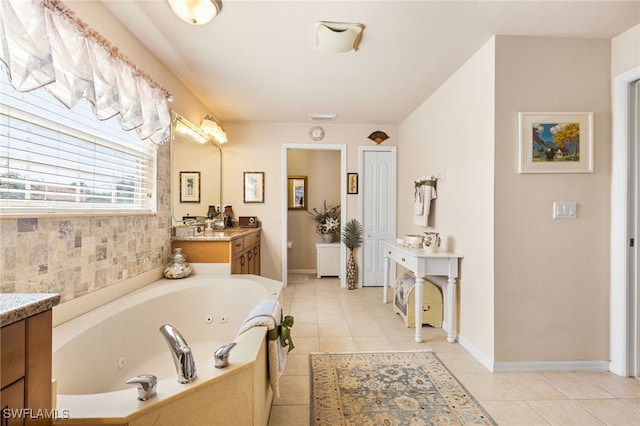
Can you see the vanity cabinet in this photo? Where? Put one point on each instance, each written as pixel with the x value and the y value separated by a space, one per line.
pixel 240 248
pixel 246 255
pixel 25 370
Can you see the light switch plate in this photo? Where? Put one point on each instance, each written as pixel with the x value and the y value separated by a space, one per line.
pixel 564 209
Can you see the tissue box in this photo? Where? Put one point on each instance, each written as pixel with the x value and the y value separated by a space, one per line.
pixel 404 301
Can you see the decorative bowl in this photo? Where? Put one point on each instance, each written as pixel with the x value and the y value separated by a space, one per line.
pixel 412 241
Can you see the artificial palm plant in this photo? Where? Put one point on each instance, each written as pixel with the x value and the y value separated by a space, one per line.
pixel 352 238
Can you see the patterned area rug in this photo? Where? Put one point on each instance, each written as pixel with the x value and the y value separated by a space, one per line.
pixel 389 388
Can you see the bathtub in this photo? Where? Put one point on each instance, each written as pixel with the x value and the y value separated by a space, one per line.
pixel 95 353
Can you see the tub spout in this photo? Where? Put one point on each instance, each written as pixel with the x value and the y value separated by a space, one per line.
pixel 181 353
pixel 147 388
pixel 221 355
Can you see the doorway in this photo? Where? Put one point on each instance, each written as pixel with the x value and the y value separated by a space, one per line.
pixel 625 198
pixel 286 148
pixel 633 214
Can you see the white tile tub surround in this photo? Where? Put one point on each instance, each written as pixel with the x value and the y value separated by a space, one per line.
pixel 96 352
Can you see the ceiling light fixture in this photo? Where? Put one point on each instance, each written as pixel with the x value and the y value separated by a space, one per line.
pixel 212 127
pixel 338 37
pixel 322 116
pixel 196 12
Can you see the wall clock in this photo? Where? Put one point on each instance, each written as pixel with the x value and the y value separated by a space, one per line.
pixel 316 133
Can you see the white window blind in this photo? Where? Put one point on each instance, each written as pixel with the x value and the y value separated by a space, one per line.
pixel 55 160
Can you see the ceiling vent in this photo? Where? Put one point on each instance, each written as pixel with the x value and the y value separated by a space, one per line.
pixel 318 116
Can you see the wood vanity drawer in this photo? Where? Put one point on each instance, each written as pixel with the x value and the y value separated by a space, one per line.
pixel 12 342
pixel 251 239
pixel 237 245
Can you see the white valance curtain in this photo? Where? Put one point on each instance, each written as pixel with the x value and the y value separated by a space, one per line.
pixel 44 45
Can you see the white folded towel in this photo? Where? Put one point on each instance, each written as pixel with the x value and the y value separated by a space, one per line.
pixel 418 201
pixel 427 191
pixel 269 314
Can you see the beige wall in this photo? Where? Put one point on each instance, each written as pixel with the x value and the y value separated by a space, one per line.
pixel 531 288
pixel 258 147
pixel 453 131
pixel 552 276
pixel 322 169
pixel 625 51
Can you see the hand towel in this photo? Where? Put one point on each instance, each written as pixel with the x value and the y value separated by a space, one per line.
pixel 269 314
pixel 418 200
pixel 428 191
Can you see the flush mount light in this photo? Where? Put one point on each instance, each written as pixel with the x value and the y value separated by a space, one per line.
pixel 338 37
pixel 196 12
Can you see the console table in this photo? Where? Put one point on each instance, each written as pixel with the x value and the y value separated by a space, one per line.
pixel 423 264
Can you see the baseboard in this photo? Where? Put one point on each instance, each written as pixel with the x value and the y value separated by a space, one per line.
pixel 523 366
pixel 479 356
pixel 302 271
pixel 511 366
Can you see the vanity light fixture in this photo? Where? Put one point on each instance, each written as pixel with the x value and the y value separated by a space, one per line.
pixel 211 126
pixel 185 128
pixel 337 37
pixel 196 12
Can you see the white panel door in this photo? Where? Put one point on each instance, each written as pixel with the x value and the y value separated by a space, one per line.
pixel 378 209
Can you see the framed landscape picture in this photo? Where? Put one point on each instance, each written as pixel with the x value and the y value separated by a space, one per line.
pixel 555 142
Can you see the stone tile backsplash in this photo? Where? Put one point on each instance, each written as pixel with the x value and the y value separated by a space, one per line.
pixel 74 256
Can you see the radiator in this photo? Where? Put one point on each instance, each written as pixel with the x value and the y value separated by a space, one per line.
pixel 328 259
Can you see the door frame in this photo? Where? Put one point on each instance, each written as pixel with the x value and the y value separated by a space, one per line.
pixel 394 209
pixel 343 199
pixel 622 307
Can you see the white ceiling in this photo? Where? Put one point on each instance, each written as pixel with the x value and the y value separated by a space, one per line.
pixel 256 62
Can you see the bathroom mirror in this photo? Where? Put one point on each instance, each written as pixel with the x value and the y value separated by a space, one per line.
pixel 195 153
pixel 297 197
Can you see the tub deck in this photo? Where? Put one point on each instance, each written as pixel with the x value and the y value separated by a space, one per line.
pixel 239 394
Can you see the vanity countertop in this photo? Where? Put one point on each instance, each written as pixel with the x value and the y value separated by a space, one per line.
pixel 227 234
pixel 17 306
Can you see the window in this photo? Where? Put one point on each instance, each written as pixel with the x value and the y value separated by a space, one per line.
pixel 55 160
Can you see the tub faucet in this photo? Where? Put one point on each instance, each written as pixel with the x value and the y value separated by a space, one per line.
pixel 181 353
pixel 221 355
pixel 147 388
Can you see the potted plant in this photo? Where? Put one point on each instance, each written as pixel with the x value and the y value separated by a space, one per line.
pixel 327 221
pixel 352 238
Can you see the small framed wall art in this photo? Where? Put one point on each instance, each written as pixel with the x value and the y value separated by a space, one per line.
pixel 352 183
pixel 555 142
pixel 253 187
pixel 189 187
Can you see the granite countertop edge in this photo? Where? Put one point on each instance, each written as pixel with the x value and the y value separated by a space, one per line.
pixel 229 234
pixel 18 306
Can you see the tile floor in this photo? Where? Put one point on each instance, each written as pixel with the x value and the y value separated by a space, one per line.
pixel 328 318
